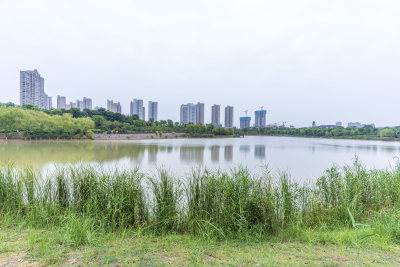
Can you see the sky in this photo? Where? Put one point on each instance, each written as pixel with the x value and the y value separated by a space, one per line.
pixel 302 60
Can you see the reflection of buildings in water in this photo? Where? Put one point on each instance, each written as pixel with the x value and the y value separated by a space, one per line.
pixel 244 149
pixel 215 153
pixel 152 151
pixel 228 153
pixel 259 151
pixel 192 154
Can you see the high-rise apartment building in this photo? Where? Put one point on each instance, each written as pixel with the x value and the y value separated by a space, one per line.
pixel 245 122
pixel 114 107
pixel 49 102
pixel 137 108
pixel 188 113
pixel 79 104
pixel 32 89
pixel 216 115
pixel 153 110
pixel 200 113
pixel 61 102
pixel 228 117
pixel 87 103
pixel 260 119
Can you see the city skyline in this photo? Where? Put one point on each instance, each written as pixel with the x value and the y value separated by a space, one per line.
pixel 319 60
pixel 32 92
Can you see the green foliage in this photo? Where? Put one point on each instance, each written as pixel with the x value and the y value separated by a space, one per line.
pixel 31 122
pixel 367 132
pixel 388 132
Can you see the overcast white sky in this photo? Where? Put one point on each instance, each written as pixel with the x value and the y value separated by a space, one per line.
pixel 303 60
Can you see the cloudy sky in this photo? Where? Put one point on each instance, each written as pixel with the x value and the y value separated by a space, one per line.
pixel 302 60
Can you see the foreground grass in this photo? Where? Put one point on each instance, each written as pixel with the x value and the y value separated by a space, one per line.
pixel 34 247
pixel 91 216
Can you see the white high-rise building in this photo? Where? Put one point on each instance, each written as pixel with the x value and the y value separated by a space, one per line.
pixel 228 117
pixel 32 89
pixel 215 115
pixel 188 113
pixel 200 113
pixel 61 102
pixel 87 103
pixel 153 110
pixel 49 102
pixel 137 108
pixel 114 107
pixel 79 104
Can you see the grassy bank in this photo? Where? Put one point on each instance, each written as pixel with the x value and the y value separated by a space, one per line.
pixel 87 207
pixel 22 245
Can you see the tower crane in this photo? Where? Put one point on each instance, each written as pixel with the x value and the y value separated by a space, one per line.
pixel 245 112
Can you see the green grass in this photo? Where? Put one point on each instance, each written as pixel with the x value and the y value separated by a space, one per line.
pixel 83 209
pixel 44 247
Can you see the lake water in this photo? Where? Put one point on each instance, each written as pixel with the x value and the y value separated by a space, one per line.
pixel 304 158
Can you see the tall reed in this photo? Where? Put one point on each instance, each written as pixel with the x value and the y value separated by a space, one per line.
pixel 212 203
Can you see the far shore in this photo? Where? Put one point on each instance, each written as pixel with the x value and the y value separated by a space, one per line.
pixel 151 136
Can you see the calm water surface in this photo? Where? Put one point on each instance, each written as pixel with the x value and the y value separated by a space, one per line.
pixel 304 158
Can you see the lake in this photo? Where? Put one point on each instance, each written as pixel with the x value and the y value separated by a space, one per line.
pixel 303 158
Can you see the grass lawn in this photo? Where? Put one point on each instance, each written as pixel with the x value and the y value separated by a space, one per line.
pixel 24 246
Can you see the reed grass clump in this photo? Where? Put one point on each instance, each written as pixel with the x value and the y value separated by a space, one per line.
pixel 85 200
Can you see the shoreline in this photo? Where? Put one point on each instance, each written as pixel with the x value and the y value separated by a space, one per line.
pixel 153 136
pixel 334 138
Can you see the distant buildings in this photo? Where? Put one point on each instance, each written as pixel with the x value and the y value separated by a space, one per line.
pixel 191 113
pixel 114 107
pixel 228 117
pixel 32 90
pixel 188 113
pixel 216 115
pixel 245 122
pixel 49 102
pixel 153 110
pixel 137 108
pixel 260 119
pixel 61 102
pixel 360 125
pixel 200 113
pixel 87 103
pixel 339 124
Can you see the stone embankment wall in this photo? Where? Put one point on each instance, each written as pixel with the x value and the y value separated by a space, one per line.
pixel 135 136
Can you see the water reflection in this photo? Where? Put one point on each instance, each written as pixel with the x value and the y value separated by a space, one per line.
pixel 192 154
pixel 301 155
pixel 259 151
pixel 244 149
pixel 215 153
pixel 152 151
pixel 228 153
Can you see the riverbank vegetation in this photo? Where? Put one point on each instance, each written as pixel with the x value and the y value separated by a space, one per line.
pixel 21 122
pixel 366 132
pixel 84 203
pixel 30 121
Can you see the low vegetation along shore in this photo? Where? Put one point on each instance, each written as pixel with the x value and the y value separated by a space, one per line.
pixel 88 215
pixel 30 122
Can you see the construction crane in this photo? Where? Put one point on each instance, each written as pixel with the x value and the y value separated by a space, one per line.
pixel 245 112
pixel 262 107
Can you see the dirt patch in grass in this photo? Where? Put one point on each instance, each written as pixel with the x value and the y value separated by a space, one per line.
pixel 15 259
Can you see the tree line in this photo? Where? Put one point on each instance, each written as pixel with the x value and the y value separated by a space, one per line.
pixel 367 132
pixel 30 121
